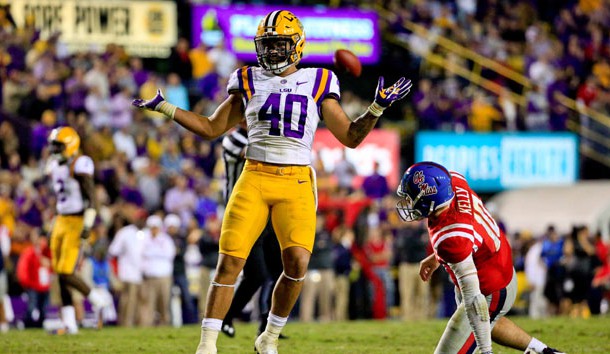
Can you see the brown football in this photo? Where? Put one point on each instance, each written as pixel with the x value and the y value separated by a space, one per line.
pixel 347 61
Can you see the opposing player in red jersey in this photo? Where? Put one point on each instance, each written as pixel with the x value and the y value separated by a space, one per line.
pixel 475 252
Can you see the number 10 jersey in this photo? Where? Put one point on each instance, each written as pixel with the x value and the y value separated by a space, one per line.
pixel 282 113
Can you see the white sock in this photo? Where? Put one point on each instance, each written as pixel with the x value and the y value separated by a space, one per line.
pixel 275 324
pixel 210 327
pixel 68 317
pixel 212 323
pixel 537 345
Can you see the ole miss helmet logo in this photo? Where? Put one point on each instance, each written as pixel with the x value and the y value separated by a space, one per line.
pixel 425 188
pixel 418 177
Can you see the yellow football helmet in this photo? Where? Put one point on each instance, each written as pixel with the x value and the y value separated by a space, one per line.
pixel 279 41
pixel 64 142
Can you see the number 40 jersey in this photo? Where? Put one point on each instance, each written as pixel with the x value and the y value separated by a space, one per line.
pixel 282 113
pixel 468 228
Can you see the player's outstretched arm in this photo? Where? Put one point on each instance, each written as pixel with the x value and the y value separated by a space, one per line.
pixel 229 113
pixel 351 132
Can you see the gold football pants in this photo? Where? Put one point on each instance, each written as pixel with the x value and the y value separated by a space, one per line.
pixel 65 243
pixel 287 192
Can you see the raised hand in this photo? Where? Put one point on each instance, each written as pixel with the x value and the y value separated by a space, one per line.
pixel 157 103
pixel 384 97
pixel 153 104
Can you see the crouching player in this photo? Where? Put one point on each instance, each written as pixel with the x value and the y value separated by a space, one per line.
pixel 475 252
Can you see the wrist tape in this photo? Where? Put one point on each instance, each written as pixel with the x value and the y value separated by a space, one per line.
pixel 166 108
pixel 375 109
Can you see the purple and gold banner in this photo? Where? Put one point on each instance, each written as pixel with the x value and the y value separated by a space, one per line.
pixel 326 30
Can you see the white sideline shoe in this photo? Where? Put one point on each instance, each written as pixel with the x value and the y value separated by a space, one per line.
pixel 265 345
pixel 98 298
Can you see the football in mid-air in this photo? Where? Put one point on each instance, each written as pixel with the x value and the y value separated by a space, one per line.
pixel 347 61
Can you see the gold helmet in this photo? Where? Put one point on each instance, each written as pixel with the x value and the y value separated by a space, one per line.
pixel 279 41
pixel 64 142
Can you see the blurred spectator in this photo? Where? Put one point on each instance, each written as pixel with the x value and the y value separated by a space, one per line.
pixel 149 185
pixel 130 192
pixel 76 90
pixel 208 247
pixel 30 207
pixel 537 115
pixel 425 107
pixel 343 238
pixel 552 252
pixel 411 248
pixel 9 142
pixel 200 61
pixel 579 254
pixel 176 92
pixel 180 199
pixel 140 75
pixel 5 266
pixel 34 275
pixel 41 131
pixel 207 203
pixel 128 246
pixel 98 106
pixel 96 272
pixel 171 160
pixel 172 225
pixel 158 263
pixel 484 114
pixel 375 186
pixel 345 172
pixel 320 279
pixel 180 61
pixel 121 110
pixel 15 88
pixel 378 249
pixel 124 142
pixel 535 272
pixel 96 79
pixel 225 62
pixel 8 211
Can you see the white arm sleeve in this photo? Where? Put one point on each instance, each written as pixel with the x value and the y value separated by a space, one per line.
pixel 475 303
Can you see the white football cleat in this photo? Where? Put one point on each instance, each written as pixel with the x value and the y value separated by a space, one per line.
pixel 265 344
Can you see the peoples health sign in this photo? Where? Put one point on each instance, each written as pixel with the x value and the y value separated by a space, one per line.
pixel 497 161
pixel 326 30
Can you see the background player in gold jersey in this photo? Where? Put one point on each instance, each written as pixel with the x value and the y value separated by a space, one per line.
pixel 72 176
pixel 282 106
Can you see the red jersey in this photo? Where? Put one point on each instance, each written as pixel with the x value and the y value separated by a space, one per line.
pixel 465 228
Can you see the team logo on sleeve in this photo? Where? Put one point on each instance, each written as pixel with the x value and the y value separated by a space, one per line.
pixel 424 187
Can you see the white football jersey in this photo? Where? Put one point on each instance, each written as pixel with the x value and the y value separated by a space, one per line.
pixel 282 113
pixel 67 189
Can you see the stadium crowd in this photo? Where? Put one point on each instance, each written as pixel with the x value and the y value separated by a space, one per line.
pixel 153 177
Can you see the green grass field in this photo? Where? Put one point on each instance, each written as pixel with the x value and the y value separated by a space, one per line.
pixel 358 337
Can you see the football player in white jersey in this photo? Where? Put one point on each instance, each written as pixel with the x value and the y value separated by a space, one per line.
pixel 72 176
pixel 282 106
